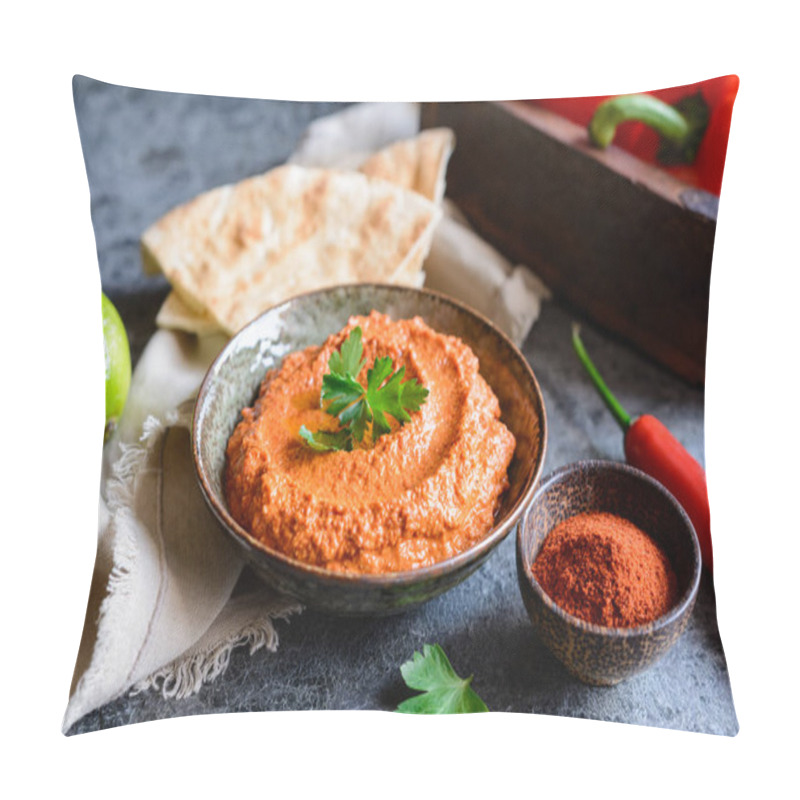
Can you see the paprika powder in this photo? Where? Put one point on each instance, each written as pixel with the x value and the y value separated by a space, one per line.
pixel 605 570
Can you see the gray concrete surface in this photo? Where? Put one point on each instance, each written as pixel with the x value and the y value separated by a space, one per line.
pixel 147 151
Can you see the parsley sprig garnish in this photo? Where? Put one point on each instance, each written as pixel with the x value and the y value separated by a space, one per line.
pixel 443 690
pixel 361 410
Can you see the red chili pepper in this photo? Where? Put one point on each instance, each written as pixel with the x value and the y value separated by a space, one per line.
pixel 644 142
pixel 650 447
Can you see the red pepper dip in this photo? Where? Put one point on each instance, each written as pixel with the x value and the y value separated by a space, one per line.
pixel 421 494
pixel 603 569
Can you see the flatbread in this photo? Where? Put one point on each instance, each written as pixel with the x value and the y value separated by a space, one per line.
pixel 239 249
pixel 176 314
pixel 418 164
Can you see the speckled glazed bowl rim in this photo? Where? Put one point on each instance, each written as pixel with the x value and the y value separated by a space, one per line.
pixel 681 605
pixel 390 579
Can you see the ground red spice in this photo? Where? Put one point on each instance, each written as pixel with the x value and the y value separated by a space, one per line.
pixel 603 569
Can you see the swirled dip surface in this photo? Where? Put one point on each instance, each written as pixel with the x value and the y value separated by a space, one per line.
pixel 421 494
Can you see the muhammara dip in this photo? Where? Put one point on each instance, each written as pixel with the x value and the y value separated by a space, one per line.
pixel 422 493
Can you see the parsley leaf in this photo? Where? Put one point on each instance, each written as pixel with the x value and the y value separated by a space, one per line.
pixel 444 692
pixel 347 360
pixel 322 441
pixel 359 409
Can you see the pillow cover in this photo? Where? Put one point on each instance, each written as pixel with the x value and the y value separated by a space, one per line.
pixel 538 226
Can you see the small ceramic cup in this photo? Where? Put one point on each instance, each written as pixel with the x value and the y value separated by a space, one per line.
pixel 595 654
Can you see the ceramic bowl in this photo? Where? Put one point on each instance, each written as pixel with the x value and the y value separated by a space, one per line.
pixel 595 654
pixel 232 383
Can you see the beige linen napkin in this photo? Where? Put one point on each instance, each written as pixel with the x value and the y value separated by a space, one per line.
pixel 166 607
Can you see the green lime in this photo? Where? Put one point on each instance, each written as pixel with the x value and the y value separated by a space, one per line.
pixel 118 363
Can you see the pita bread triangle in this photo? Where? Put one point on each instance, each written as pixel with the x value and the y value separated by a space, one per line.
pixel 176 314
pixel 418 164
pixel 224 273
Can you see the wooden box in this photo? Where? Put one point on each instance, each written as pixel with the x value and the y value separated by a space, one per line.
pixel 623 242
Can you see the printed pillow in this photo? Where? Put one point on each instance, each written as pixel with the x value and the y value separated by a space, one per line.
pixel 518 220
